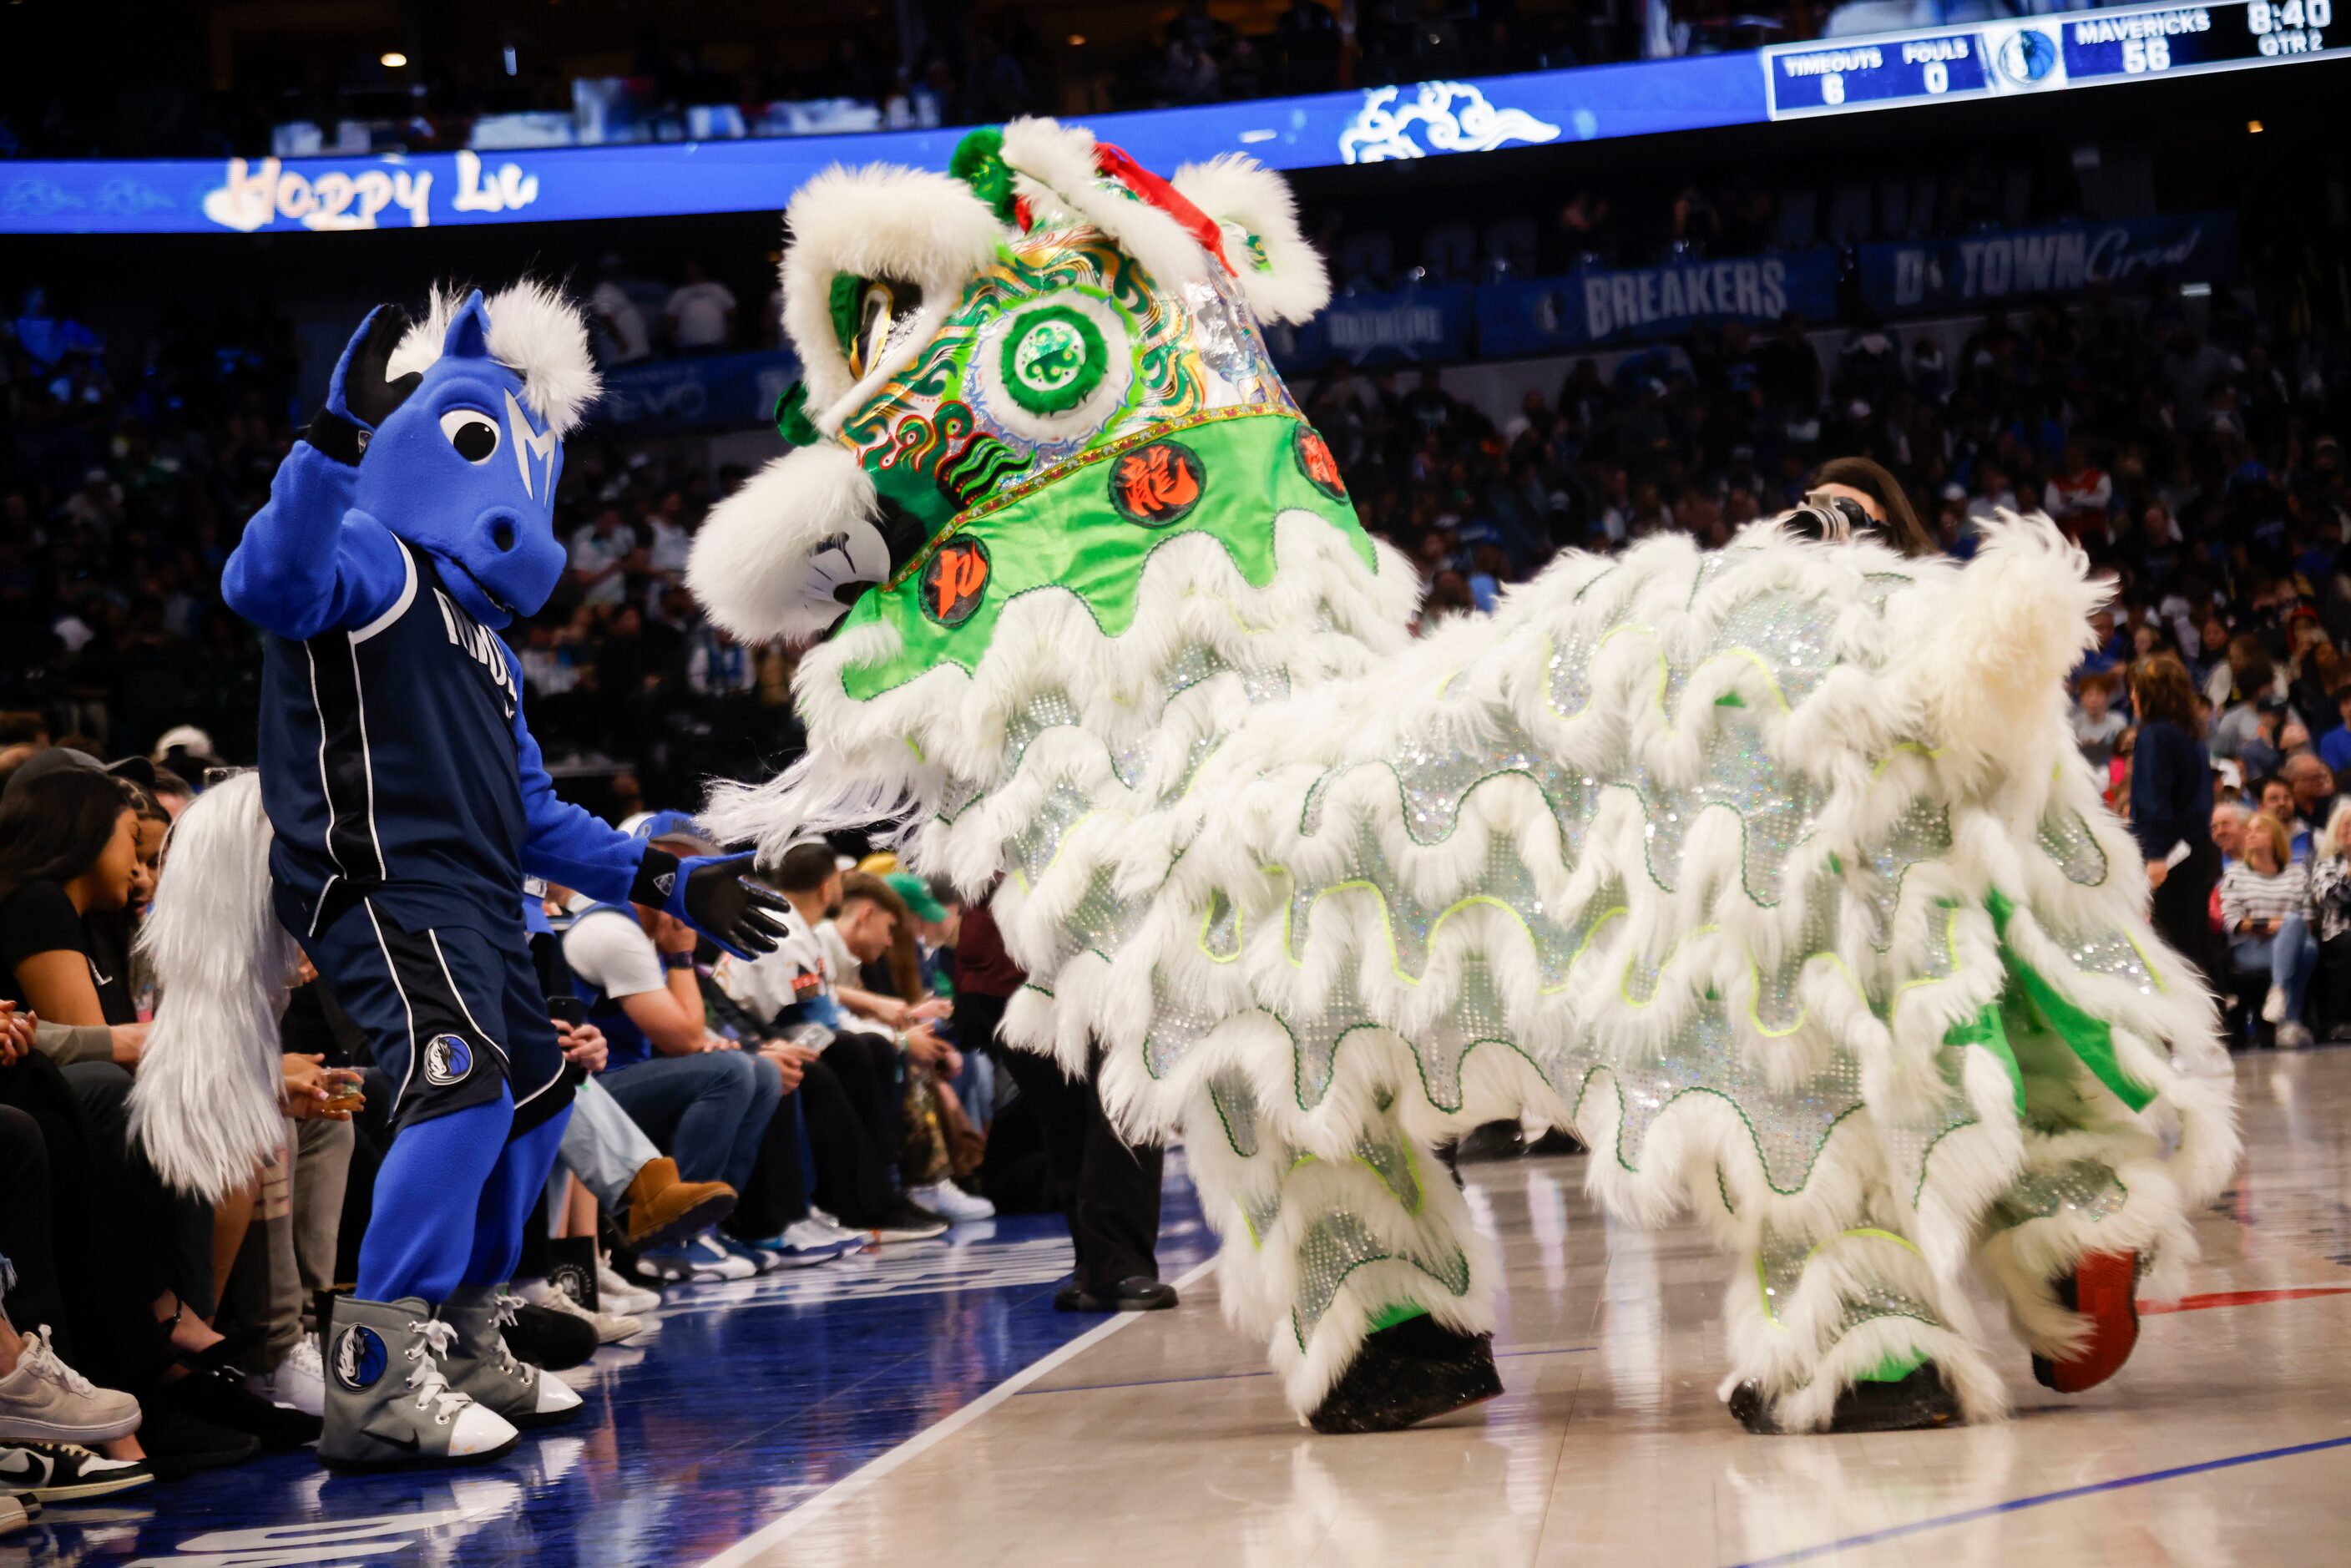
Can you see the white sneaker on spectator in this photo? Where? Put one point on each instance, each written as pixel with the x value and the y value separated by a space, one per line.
pixel 2293 1034
pixel 299 1381
pixel 44 1400
pixel 951 1202
pixel 713 1261
pixel 617 1295
pixel 610 1327
pixel 811 1240
pixel 2273 1006
pixel 830 1222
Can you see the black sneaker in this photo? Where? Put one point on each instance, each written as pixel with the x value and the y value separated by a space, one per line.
pixel 1074 1297
pixel 907 1221
pixel 1141 1293
pixel 550 1341
pixel 1414 1372
pixel 217 1395
pixel 66 1472
pixel 178 1444
pixel 1917 1402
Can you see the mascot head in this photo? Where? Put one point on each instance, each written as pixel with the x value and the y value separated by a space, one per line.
pixel 464 464
pixel 1024 373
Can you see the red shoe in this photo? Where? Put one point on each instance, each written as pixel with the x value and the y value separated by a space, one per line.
pixel 2103 1287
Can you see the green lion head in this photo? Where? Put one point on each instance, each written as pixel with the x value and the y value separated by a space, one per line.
pixel 1022 375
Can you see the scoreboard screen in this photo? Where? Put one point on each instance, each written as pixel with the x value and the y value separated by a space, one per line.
pixel 2046 53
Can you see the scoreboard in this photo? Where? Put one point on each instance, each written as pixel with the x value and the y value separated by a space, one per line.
pixel 2044 53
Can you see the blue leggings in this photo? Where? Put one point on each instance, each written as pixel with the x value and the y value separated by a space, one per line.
pixel 451 1201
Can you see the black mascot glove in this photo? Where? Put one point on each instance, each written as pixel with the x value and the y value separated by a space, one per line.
pixel 358 396
pixel 709 894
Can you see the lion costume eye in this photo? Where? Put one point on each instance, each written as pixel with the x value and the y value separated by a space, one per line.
pixel 472 432
pixel 1056 371
pixel 866 312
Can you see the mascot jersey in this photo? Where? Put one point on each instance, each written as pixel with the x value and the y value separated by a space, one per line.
pixel 408 799
pixel 396 763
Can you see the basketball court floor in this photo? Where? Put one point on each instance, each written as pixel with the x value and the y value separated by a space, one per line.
pixel 926 1406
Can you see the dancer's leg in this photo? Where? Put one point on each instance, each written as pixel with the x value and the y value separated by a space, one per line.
pixel 1322 1252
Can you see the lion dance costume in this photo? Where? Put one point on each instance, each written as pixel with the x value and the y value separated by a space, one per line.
pixel 1771 870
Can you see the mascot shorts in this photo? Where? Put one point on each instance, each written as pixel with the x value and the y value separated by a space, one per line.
pixel 453 1014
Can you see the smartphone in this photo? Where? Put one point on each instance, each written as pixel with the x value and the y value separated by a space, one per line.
pixel 567 1010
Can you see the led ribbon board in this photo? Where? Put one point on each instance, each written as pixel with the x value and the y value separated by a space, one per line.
pixel 1381 124
pixel 2046 53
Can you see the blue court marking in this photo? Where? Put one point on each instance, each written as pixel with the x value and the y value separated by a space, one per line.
pixel 749 1398
pixel 1968 1516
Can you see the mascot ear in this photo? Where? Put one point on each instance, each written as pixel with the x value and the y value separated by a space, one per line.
pixel 469 330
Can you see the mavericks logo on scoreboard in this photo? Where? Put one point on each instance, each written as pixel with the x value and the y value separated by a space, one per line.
pixel 2025 56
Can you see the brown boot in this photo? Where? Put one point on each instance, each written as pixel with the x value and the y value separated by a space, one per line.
pixel 662 1209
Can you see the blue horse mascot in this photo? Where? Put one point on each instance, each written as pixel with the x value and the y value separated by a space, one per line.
pixel 412 523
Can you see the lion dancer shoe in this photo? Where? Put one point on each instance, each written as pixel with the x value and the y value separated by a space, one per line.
pixel 480 1366
pixel 1371 1284
pixel 2104 1289
pixel 1851 1333
pixel 388 1403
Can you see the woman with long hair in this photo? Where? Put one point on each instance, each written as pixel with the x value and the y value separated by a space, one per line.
pixel 2171 805
pixel 2260 898
pixel 68 850
pixel 134 1260
pixel 1878 493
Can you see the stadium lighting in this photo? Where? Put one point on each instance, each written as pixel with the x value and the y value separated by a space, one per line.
pixel 1077 40
pixel 2253 128
pixel 393 59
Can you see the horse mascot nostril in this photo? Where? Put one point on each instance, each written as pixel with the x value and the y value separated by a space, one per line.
pixel 1772 870
pixel 404 803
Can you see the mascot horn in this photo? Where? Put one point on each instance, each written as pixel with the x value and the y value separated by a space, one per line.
pixel 1771 870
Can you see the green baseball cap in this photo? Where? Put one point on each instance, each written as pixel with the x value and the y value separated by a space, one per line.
pixel 917 896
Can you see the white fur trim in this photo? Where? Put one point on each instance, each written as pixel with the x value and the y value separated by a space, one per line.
pixel 762 564
pixel 205 1101
pixel 1234 188
pixel 535 332
pixel 876 221
pixel 1059 159
pixel 1173 768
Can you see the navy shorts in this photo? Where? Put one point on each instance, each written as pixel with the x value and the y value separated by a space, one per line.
pixel 452 1014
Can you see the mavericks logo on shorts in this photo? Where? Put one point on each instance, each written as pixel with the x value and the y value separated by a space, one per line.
pixel 360 1358
pixel 447 1059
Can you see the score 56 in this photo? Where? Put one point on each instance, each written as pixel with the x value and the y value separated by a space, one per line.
pixel 2141 56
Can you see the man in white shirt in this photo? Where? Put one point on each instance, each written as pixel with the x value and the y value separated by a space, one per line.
pixel 599 558
pixel 700 315
pixel 802 980
pixel 695 1093
pixel 621 326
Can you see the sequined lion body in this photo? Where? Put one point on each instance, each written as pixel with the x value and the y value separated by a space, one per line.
pixel 1771 870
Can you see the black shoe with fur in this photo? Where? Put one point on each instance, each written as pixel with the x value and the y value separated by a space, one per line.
pixel 1918 1401
pixel 1414 1371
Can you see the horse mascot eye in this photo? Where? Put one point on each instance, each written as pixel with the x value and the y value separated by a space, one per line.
pixel 471 432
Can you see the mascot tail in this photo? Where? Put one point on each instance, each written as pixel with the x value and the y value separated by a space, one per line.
pixel 206 1100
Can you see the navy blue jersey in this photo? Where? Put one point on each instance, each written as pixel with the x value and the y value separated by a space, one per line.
pixel 389 765
pixel 395 762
